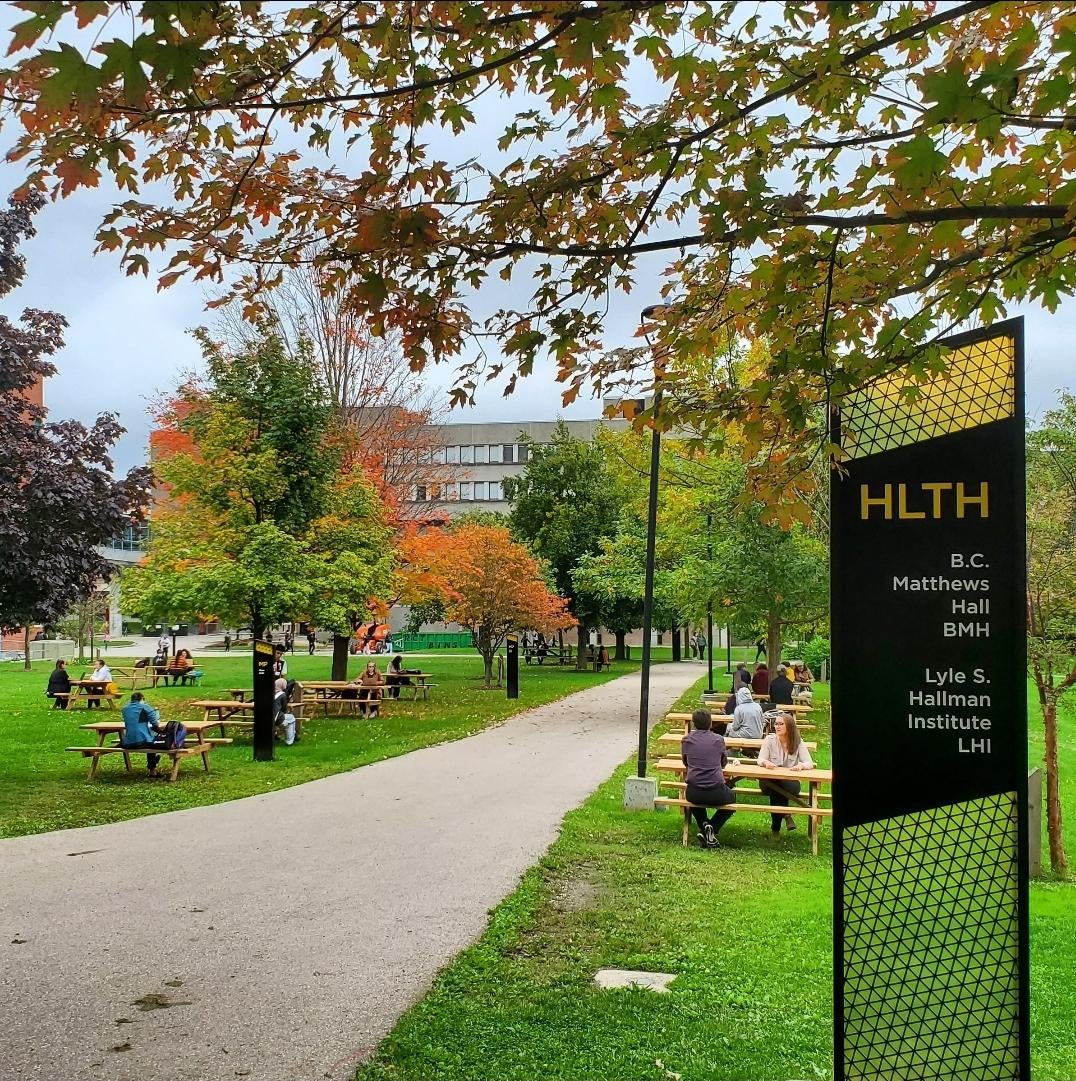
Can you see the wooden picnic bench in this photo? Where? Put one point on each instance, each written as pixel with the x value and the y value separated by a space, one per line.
pixel 229 712
pixel 87 691
pixel 176 754
pixel 733 743
pixel 809 806
pixel 342 695
pixel 685 720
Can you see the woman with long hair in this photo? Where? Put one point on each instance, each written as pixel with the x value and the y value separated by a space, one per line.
pixel 783 749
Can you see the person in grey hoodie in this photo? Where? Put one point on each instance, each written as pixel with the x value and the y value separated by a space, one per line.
pixel 747 716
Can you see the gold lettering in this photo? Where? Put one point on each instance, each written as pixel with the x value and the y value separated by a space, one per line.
pixel 866 501
pixel 937 487
pixel 902 504
pixel 981 500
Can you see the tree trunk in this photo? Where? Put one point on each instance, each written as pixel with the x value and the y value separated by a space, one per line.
pixel 773 645
pixel 581 649
pixel 1058 863
pixel 621 652
pixel 341 644
pixel 26 647
pixel 675 635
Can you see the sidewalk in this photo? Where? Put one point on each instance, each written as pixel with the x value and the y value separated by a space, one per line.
pixel 280 937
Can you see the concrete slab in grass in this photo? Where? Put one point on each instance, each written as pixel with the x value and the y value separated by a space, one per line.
pixel 608 978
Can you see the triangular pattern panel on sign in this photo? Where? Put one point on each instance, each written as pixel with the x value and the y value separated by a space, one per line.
pixel 979 386
pixel 931 966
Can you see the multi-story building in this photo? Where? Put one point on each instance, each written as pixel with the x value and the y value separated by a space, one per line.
pixel 468 469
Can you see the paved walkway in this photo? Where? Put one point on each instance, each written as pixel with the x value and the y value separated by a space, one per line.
pixel 286 933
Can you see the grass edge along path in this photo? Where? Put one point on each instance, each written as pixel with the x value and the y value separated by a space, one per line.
pixel 747 928
pixel 43 787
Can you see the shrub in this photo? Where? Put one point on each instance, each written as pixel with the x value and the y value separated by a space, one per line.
pixel 814 653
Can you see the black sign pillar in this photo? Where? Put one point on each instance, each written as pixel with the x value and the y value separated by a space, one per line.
pixel 930 722
pixel 263 701
pixel 511 648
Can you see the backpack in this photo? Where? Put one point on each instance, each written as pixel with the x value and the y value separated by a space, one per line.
pixel 175 735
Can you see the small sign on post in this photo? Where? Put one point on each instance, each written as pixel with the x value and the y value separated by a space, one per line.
pixel 263 701
pixel 512 650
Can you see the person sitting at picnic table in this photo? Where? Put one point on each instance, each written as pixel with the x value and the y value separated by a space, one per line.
pixel 369 683
pixel 801 673
pixel 181 668
pixel 101 675
pixel 760 681
pixel 142 729
pixel 396 676
pixel 704 755
pixel 741 677
pixel 283 718
pixel 781 687
pixel 783 749
pixel 730 704
pixel 59 685
pixel 747 717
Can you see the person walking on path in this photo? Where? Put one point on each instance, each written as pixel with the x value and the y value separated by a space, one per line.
pixel 700 645
pixel 704 755
pixel 227 642
pixel 311 641
pixel 760 649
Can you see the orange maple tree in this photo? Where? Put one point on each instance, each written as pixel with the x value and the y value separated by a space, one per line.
pixel 487 582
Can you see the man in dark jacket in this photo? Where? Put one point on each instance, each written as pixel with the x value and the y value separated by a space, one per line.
pixel 781 687
pixel 59 685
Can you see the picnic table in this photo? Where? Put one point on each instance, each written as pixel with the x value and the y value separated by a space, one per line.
pixel 229 712
pixel 420 684
pixel 89 690
pixel 733 743
pixel 200 746
pixel 342 694
pixel 685 719
pixel 809 806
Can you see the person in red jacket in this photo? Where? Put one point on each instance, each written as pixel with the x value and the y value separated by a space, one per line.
pixel 760 681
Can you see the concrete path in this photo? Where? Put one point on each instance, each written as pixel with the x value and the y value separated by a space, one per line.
pixel 280 937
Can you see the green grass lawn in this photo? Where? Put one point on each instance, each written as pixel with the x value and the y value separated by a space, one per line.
pixel 747 929
pixel 44 788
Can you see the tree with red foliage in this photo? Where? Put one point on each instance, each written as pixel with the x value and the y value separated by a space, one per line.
pixel 487 582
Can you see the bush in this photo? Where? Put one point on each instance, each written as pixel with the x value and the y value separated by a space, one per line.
pixel 814 653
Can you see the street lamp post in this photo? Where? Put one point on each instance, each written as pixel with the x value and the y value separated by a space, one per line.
pixel 709 610
pixel 651 538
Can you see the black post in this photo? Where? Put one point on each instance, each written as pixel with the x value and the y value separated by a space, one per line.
pixel 728 649
pixel 709 614
pixel 174 629
pixel 511 649
pixel 263 701
pixel 648 585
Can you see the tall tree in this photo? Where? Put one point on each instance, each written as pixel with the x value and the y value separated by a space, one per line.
pixel 252 469
pixel 878 172
pixel 487 582
pixel 58 498
pixel 390 411
pixel 563 505
pixel 1051 591
pixel 351 566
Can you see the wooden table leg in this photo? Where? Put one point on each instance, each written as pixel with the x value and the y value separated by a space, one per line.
pixel 93 767
pixel 175 767
pixel 205 758
pixel 812 820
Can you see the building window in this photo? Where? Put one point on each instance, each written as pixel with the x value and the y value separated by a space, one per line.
pixel 467 455
pixel 495 454
pixel 439 456
pixel 480 489
pixel 453 454
pixel 481 454
pixel 523 452
pixel 452 491
pixel 509 452
pixel 465 489
pixel 495 492
pixel 420 493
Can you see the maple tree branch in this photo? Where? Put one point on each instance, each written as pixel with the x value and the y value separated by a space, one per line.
pixel 847 61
